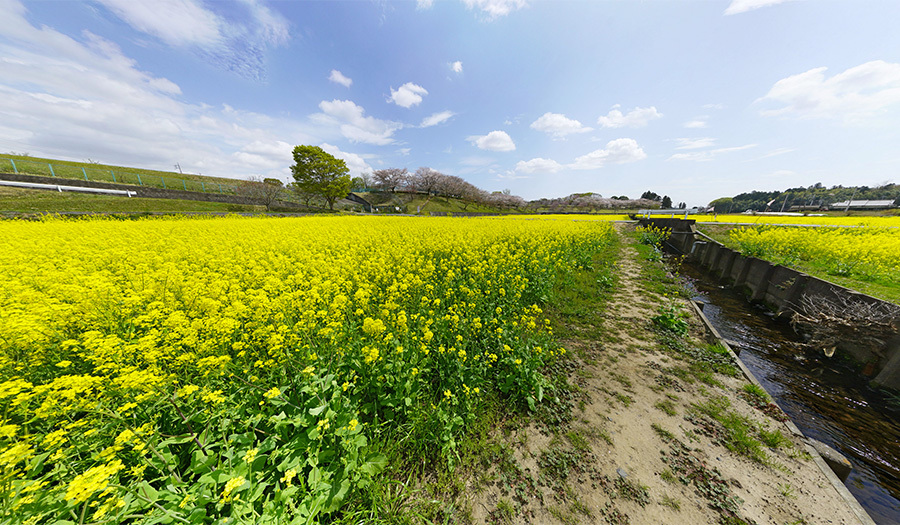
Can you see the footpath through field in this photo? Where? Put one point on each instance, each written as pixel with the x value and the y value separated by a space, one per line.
pixel 665 430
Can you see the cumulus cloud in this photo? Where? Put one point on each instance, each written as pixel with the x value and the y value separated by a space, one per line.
pixel 354 124
pixel 437 118
pixel 558 125
pixel 237 42
pixel 618 151
pixel 494 9
pixel 493 141
pixel 854 94
pixel 456 67
pixel 355 163
pixel 696 123
pixel 742 6
pixel 695 143
pixel 73 98
pixel 338 78
pixel 636 118
pixel 538 165
pixel 705 156
pixel 408 95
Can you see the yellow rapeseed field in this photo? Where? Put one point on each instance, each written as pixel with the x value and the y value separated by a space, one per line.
pixel 831 220
pixel 188 370
pixel 866 252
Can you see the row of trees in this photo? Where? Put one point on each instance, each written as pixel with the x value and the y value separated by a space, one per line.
pixel 433 182
pixel 321 176
pixel 814 196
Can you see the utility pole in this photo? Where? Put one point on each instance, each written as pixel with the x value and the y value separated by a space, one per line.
pixel 178 167
pixel 851 199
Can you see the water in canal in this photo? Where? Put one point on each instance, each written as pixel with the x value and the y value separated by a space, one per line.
pixel 827 398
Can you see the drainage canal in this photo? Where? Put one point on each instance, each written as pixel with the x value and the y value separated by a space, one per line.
pixel 827 398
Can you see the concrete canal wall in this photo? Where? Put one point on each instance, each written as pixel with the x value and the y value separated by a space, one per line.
pixel 784 291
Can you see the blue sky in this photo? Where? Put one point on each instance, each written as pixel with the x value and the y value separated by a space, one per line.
pixel 692 99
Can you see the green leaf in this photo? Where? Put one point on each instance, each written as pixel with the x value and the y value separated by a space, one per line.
pixel 201 462
pixel 338 493
pixel 318 410
pixel 374 464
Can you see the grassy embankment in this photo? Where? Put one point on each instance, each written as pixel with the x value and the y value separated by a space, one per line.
pixel 65 169
pixel 18 200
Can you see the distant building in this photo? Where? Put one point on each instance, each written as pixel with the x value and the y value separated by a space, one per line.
pixel 863 205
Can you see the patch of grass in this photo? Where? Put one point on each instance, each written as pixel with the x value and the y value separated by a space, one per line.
pixel 756 392
pixel 632 491
pixel 670 502
pixel 664 434
pixel 624 399
pixel 563 516
pixel 505 511
pixel 667 476
pixel 787 491
pixel 667 406
pixel 624 381
pixel 734 431
pixel 774 438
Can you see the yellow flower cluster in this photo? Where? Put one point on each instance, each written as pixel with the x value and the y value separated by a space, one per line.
pixel 830 220
pixel 105 323
pixel 865 251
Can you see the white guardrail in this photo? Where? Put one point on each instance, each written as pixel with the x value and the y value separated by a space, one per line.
pixel 673 212
pixel 61 188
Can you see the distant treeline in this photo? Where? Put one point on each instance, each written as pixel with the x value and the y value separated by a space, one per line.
pixel 816 196
pixel 432 182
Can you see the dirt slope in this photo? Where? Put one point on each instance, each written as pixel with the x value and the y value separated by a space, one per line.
pixel 639 450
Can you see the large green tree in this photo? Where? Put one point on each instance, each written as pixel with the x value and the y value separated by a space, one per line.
pixel 319 173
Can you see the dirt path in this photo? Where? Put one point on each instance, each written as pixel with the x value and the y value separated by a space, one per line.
pixel 639 450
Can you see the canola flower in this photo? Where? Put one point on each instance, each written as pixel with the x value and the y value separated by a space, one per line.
pixel 866 252
pixel 829 220
pixel 150 367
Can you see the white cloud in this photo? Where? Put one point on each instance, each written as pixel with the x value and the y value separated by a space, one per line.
pixel 456 67
pixel 355 163
pixel 704 156
pixel 618 151
pixel 742 6
pixel 697 143
pixel 338 78
pixel 636 118
pixel 437 118
pixel 408 95
pixel 354 124
pixel 538 165
pixel 854 94
pixel 493 141
pixel 558 125
pixel 494 9
pixel 424 4
pixel 236 43
pixel 776 152
pixel 696 123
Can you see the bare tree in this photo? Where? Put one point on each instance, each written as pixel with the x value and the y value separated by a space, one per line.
pixel 427 180
pixel 390 178
pixel 266 191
